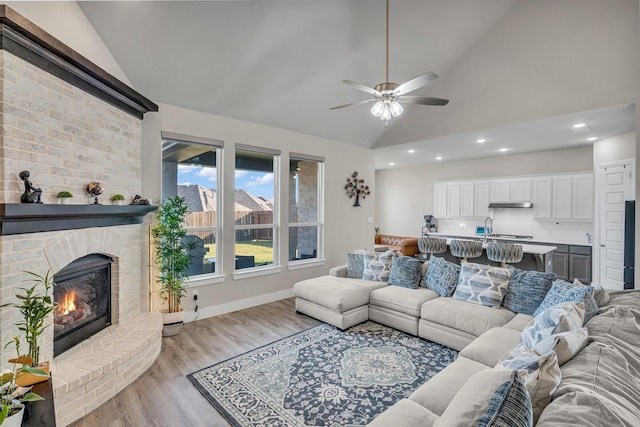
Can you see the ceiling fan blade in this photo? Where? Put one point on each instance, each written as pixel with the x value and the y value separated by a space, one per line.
pixel 416 83
pixel 362 87
pixel 366 101
pixel 423 100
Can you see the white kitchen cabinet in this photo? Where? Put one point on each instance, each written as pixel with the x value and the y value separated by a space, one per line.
pixel 562 189
pixel 481 199
pixel 500 190
pixel 467 199
pixel 440 200
pixel 582 197
pixel 453 199
pixel 520 189
pixel 542 197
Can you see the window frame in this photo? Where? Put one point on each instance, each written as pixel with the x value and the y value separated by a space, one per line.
pixel 274 226
pixel 319 222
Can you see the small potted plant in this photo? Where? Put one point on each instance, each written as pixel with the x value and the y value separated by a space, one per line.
pixel 64 197
pixel 34 308
pixel 12 397
pixel 172 260
pixel 117 199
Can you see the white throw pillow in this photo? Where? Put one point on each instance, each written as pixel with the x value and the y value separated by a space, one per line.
pixel 378 266
pixel 482 284
pixel 565 344
pixel 558 318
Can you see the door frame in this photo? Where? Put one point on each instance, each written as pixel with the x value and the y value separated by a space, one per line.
pixel 599 175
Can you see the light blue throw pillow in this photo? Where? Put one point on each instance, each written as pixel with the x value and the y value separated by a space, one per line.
pixel 527 290
pixel 482 284
pixel 562 292
pixel 554 320
pixel 405 272
pixel 442 276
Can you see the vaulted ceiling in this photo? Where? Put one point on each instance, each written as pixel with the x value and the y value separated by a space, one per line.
pixel 281 63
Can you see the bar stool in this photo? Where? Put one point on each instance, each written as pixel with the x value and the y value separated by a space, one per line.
pixel 465 249
pixel 504 253
pixel 431 245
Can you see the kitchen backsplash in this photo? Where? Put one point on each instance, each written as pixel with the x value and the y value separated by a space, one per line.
pixel 521 221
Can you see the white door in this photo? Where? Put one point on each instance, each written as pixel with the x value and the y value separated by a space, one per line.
pixel 520 190
pixel 453 200
pixel 561 194
pixel 440 200
pixel 467 197
pixel 615 189
pixel 500 190
pixel 481 199
pixel 542 197
pixel 583 197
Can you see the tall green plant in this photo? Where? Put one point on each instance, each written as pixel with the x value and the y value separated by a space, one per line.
pixel 35 308
pixel 171 248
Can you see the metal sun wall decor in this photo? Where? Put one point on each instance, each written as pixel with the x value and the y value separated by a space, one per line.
pixel 355 188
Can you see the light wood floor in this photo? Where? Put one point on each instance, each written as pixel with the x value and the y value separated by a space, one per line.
pixel 163 396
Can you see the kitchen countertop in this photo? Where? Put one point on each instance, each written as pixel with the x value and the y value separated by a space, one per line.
pixel 519 241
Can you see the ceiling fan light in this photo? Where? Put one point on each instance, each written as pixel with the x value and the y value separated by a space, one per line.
pixel 377 108
pixel 396 108
pixel 386 113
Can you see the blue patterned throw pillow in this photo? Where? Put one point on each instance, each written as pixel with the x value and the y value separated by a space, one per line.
pixel 442 276
pixel 510 405
pixel 482 284
pixel 554 320
pixel 562 291
pixel 378 266
pixel 405 272
pixel 527 290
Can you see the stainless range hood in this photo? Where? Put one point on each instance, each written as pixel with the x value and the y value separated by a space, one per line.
pixel 511 205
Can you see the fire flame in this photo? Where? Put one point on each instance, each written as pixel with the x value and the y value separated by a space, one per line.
pixel 68 305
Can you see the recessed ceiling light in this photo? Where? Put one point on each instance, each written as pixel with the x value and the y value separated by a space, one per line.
pixel 481 140
pixel 411 151
pixel 503 149
pixel 438 157
pixel 391 164
pixel 593 138
pixel 579 125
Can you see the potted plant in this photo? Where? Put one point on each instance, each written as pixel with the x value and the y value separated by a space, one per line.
pixel 117 199
pixel 12 398
pixel 34 308
pixel 172 260
pixel 64 197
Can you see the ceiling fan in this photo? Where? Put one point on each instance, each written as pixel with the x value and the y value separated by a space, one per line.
pixel 388 96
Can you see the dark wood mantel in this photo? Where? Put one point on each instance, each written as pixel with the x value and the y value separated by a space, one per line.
pixel 22 218
pixel 31 43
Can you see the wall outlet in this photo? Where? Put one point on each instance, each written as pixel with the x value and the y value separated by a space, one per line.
pixel 194 295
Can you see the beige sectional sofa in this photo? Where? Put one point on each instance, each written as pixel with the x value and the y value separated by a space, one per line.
pixel 599 386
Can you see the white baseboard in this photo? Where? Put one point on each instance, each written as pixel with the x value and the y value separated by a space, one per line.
pixel 216 310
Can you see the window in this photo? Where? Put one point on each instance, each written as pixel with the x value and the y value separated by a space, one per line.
pixel 305 206
pixel 189 170
pixel 255 206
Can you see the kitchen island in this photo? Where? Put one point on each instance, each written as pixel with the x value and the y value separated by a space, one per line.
pixel 536 257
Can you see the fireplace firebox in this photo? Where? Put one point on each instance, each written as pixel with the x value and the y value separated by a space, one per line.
pixel 83 301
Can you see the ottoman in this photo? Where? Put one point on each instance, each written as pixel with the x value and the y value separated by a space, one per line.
pixel 335 300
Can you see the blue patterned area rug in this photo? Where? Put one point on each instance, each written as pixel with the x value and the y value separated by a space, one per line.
pixel 322 377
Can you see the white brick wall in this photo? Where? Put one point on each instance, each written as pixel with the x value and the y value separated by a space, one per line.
pixel 67 138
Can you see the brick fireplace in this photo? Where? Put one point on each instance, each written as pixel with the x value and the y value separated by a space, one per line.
pixel 68 131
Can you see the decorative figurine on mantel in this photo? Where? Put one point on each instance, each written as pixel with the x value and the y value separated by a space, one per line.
pixel 94 189
pixel 137 200
pixel 31 194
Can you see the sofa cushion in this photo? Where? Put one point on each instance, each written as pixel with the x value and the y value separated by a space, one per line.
pixel 492 397
pixel 600 294
pixel 442 276
pixel 564 344
pixel 555 319
pixel 474 319
pixel 332 292
pixel 482 284
pixel 492 346
pixel 527 290
pixel 542 375
pixel 404 300
pixel 519 322
pixel 378 266
pixel 437 393
pixel 355 264
pixel 602 371
pixel 562 292
pixel 405 272
pixel 405 413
